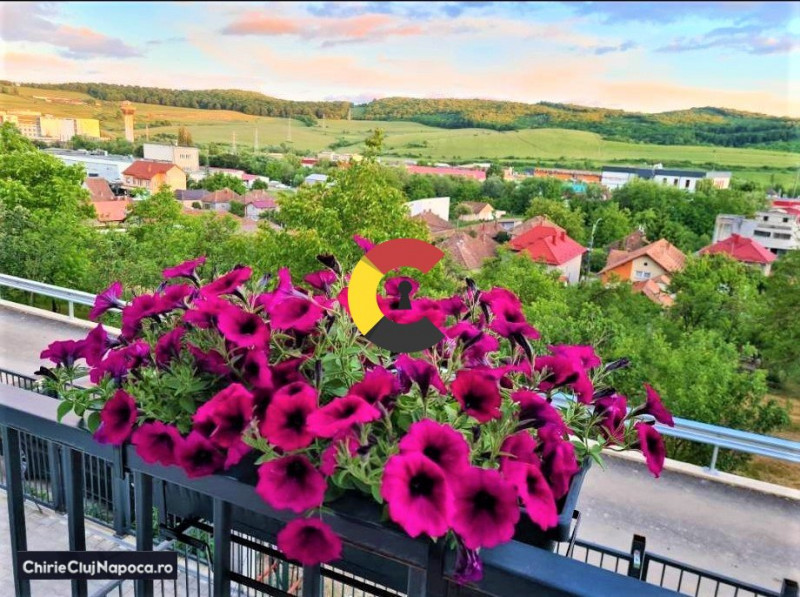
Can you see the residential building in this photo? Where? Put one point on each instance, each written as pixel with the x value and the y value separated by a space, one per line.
pixel 777 229
pixel 437 205
pixel 585 176
pixel 313 179
pixel 479 211
pixel 437 226
pixel 657 290
pixel 551 245
pixel 149 175
pixel 186 158
pixel 57 129
pixel 635 240
pixel 469 248
pixel 651 261
pixel 112 212
pixel 743 249
pixel 188 197
pixel 97 164
pixel 334 157
pixel 258 202
pixel 613 177
pixel 45 127
pixel 98 189
pixel 448 171
pixel 220 200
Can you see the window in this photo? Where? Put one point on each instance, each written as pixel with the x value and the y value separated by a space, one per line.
pixel 675 182
pixel 686 186
pixel 766 218
pixel 641 275
pixel 761 233
pixel 782 235
pixel 785 220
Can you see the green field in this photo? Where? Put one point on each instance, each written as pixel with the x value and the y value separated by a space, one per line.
pixel 413 140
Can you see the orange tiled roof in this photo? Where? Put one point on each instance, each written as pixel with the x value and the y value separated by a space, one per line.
pixel 469 251
pixel 222 196
pixel 662 252
pixel 656 290
pixel 435 224
pixel 146 170
pixel 99 189
pixel 111 211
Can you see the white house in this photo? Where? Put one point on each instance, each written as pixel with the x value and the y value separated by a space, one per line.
pixel 439 206
pixel 778 229
pixel 103 165
pixel 614 177
pixel 186 158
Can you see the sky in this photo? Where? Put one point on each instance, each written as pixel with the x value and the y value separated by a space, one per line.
pixel 642 56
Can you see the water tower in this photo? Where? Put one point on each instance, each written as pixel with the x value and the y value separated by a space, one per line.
pixel 127 116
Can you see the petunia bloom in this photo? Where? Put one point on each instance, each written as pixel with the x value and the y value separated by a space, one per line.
pixel 255 369
pixel 168 346
pixel 418 495
pixel 559 463
pixel 485 508
pixel 478 394
pixel 363 243
pixel 117 419
pixel 140 308
pixel 563 371
pixel 392 286
pixel 157 442
pixel 341 414
pixel 294 313
pixel 198 456
pixel 115 364
pixel 187 269
pixel 291 482
pixel 64 352
pixel 285 424
pixel 241 328
pixel 535 493
pixel 230 410
pixel 652 445
pixel 585 355
pixel 420 372
pixel 209 361
pixel 377 386
pixel 536 411
pixel 468 567
pixel 95 345
pixel 106 300
pixel 518 447
pixel 656 408
pixel 612 411
pixel 205 311
pixel 439 443
pixel 321 280
pixel 477 344
pixel 330 456
pixel 309 541
pixel 227 284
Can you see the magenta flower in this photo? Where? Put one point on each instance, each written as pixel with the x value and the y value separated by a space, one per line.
pixel 227 284
pixel 562 371
pixel 136 354
pixel 95 345
pixel 291 483
pixel 321 280
pixel 340 415
pixel 585 355
pixel 341 298
pixel 117 419
pixel 64 352
pixel 209 361
pixel 656 408
pixel 187 269
pixel 535 493
pixel 198 456
pixel 288 371
pixel 329 458
pixel 235 453
pixel 282 290
pixel 106 300
pixel 499 298
pixel 478 394
pixel 255 369
pixel 418 495
pixel 536 411
pixel 173 297
pixel 391 286
pixel 469 567
pixel 168 346
pixel 363 243
pixel 157 442
pixel 477 344
pixel 510 321
pixel 140 308
pixel 115 364
pixel 420 372
pixel 294 313
pixel 453 306
pixel 485 508
pixel 206 311
pixel 518 447
pixel 242 329
pixel 309 541
pixel 285 424
pixel 612 410
pixel 231 411
pixel 559 463
pixel 439 443
pixel 378 386
pixel 652 445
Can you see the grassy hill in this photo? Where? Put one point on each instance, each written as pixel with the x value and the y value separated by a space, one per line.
pixel 407 138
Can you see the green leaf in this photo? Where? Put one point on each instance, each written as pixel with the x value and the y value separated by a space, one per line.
pixel 80 409
pixel 376 493
pixel 93 421
pixel 63 409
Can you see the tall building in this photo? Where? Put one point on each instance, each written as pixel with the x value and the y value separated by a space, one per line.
pixel 127 116
pixel 186 158
pixel 777 229
pixel 44 127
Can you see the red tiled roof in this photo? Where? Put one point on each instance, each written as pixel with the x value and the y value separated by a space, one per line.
pixel 146 170
pixel 222 196
pixel 662 252
pixel 656 290
pixel 469 251
pixel 476 174
pixel 435 224
pixel 533 222
pixel 549 244
pixel 99 189
pixel 111 211
pixel 742 249
pixel 260 196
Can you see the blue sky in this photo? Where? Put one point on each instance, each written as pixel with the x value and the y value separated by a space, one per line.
pixel 648 56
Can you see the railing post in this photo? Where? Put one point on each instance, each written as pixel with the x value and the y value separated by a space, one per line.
pixel 435 584
pixel 636 566
pixel 16 505
pixel 74 491
pixel 789 588
pixel 713 466
pixel 416 582
pixel 222 549
pixel 56 476
pixel 312 581
pixel 71 307
pixel 143 490
pixel 119 493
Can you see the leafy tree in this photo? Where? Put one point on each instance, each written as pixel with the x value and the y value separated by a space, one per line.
pixel 560 213
pixel 259 185
pixel 780 327
pixel 237 208
pixel 219 180
pixel 374 143
pixel 184 137
pixel 419 187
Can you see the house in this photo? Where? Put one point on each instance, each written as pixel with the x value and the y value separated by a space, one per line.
pixel 98 189
pixel 437 226
pixel 743 249
pixel 188 197
pixel 613 177
pixel 479 211
pixel 149 175
pixel 111 211
pixel 469 248
pixel 551 245
pixel 220 200
pixel 478 175
pixel 656 289
pixel 97 164
pixel 635 240
pixel 437 205
pixel 313 179
pixel 258 202
pixel 777 229
pixel 186 158
pixel 653 260
pixel 308 162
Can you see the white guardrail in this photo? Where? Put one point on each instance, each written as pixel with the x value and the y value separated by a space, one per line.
pixel 719 437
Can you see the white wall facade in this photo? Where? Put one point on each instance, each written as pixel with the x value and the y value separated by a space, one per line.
pixel 111 170
pixel 614 180
pixel 775 230
pixel 439 206
pixel 571 270
pixel 186 158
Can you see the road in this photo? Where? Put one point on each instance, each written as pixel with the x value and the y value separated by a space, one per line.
pixel 735 532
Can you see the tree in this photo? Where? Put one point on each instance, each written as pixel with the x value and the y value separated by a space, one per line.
pixel 374 143
pixel 780 326
pixel 237 208
pixel 494 169
pixel 184 137
pixel 259 185
pixel 560 213
pixel 219 181
pixel 419 187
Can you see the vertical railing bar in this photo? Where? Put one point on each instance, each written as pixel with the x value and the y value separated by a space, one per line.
pixel 56 478
pixel 16 505
pixel 143 488
pixel 74 490
pixel 222 548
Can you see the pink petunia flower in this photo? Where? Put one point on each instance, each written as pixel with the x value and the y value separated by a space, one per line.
pixel 106 300
pixel 205 311
pixel 227 284
pixel 439 443
pixel 518 447
pixel 652 445
pixel 198 456
pixel 285 424
pixel 536 411
pixel 559 463
pixel 418 495
pixel 535 493
pixel 255 369
pixel 420 372
pixel 656 408
pixel 294 313
pixel 485 508
pixel 321 280
pixel 235 453
pixel 209 361
pixel 340 415
pixel 585 355
pixel 157 442
pixel 363 243
pixel 187 269
pixel 230 410
pixel 378 386
pixel 309 541
pixel 478 394
pixel 329 458
pixel 64 352
pixel 117 419
pixel 95 345
pixel 291 482
pixel 169 346
pixel 612 410
pixel 242 329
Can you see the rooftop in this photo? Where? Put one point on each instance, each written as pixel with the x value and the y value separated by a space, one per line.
pixel 742 249
pixel 450 171
pixel 147 169
pixel 467 250
pixel 549 244
pixel 99 189
pixel 662 252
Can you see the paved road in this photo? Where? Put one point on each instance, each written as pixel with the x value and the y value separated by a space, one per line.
pixel 735 532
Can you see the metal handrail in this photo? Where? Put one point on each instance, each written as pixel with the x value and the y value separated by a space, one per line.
pixel 704 433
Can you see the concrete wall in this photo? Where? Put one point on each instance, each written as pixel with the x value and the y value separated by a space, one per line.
pixel 111 170
pixel 645 265
pixel 440 206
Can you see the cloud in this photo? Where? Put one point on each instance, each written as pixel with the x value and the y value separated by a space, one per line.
pixel 752 39
pixel 765 13
pixel 413 10
pixel 623 47
pixel 31 22
pixel 168 40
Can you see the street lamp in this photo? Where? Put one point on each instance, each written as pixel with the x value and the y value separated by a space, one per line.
pixel 591 244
